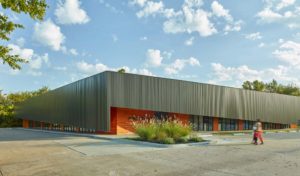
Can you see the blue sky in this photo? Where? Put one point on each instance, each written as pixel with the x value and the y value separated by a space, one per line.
pixel 221 42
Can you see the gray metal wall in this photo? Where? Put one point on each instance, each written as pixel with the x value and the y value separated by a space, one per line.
pixel 167 95
pixel 82 104
pixel 86 103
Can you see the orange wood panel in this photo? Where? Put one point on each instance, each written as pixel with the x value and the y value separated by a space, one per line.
pixel 240 124
pixel 294 125
pixel 25 123
pixel 215 124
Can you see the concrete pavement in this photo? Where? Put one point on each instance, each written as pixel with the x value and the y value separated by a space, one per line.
pixel 35 153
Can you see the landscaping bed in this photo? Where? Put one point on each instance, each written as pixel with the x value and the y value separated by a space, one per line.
pixel 166 130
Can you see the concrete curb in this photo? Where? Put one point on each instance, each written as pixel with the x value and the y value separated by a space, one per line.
pixel 70 134
pixel 119 139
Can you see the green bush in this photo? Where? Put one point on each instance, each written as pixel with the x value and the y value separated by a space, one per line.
pixel 146 131
pixel 194 138
pixel 182 140
pixel 168 131
pixel 168 140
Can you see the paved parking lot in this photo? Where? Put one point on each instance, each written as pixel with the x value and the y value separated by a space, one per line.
pixel 25 152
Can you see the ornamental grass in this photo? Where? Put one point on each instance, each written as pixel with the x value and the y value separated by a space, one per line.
pixel 167 130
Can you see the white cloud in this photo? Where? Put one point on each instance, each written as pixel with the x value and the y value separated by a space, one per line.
pixel 253 36
pixel 289 52
pixel 88 69
pixel 49 34
pixel 293 25
pixel 285 3
pixel 191 17
pixel 142 71
pixel 219 11
pixel 274 11
pixel 190 20
pixel 35 61
pixel 267 15
pixel 91 68
pixel 261 45
pixel 189 41
pixel 38 61
pixel 73 51
pixel 243 73
pixel 141 3
pixel 150 9
pixel 154 57
pixel 180 64
pixel 70 12
pixel 24 53
pixel 280 40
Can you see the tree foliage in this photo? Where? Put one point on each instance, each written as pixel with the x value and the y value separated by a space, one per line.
pixel 122 70
pixel 272 87
pixel 34 8
pixel 8 104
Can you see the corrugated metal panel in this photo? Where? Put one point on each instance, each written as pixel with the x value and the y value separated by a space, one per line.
pixel 86 103
pixel 82 103
pixel 167 95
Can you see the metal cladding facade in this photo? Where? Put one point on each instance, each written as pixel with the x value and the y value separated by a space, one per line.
pixel 87 102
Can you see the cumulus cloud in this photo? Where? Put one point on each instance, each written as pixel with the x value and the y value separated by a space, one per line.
pixel 141 3
pixel 180 64
pixel 35 60
pixel 289 52
pixel 69 12
pixel 73 51
pixel 191 17
pixel 189 41
pixel 275 11
pixel 190 20
pixel 150 8
pixel 268 15
pixel 49 34
pixel 220 11
pixel 285 3
pixel 89 69
pixel 253 36
pixel 154 57
pixel 238 75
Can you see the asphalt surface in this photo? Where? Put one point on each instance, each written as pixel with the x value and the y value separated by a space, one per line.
pixel 25 152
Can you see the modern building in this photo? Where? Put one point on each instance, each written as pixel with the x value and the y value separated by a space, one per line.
pixel 106 103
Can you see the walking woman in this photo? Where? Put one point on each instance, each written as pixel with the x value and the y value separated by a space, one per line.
pixel 259 131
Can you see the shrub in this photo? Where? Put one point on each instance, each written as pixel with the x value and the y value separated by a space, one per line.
pixel 161 135
pixel 182 140
pixel 168 140
pixel 167 130
pixel 195 138
pixel 145 131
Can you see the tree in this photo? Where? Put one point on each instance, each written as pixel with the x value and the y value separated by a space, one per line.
pixel 8 105
pixel 247 85
pixel 258 85
pixel 34 8
pixel 122 70
pixel 272 86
